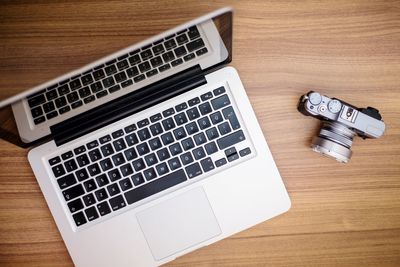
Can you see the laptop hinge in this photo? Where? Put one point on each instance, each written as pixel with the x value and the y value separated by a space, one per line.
pixel 127 105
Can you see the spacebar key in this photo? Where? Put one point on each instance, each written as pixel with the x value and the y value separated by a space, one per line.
pixel 230 140
pixel 155 186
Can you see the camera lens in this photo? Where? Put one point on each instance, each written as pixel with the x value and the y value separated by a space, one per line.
pixel 334 140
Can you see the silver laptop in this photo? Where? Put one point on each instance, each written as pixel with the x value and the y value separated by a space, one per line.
pixel 153 151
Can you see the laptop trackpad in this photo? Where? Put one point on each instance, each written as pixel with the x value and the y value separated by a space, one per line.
pixel 178 223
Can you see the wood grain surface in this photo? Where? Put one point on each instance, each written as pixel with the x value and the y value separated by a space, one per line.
pixel 341 215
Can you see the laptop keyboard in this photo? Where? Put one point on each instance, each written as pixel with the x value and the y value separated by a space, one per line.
pixel 116 74
pixel 142 159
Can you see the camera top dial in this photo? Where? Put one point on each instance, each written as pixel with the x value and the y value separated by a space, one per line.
pixel 334 106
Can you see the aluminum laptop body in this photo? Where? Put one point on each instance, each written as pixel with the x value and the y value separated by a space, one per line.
pixel 152 171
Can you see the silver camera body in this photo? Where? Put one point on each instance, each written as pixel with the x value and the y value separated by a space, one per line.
pixel 340 123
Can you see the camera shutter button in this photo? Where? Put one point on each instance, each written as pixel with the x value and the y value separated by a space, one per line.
pixel 315 98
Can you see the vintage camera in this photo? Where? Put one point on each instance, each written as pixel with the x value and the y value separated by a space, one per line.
pixel 340 123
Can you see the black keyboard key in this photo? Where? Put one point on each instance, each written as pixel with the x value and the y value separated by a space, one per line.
pixel 118 159
pixel 168 56
pixel 220 102
pixel 191 128
pixel 117 202
pixel 108 82
pixel 176 62
pixel 163 154
pixel 89 199
pixel 114 88
pixel 113 189
pixel 169 44
pixel 63 90
pixel 102 180
pixel 233 157
pixel 156 129
pixel 180 118
pixel 199 153
pixel 66 181
pixel 193 113
pixel 186 158
pixel 105 139
pixel 212 133
pixel 179 133
pixel 75 84
pixel 58 170
pixel 119 144
pixel 193 32
pixel 187 144
pixel 98 74
pixel 142 149
pixel 149 174
pixel 180 51
pixel 137 179
pixel 138 164
pixel 121 65
pixel 207 164
pixel 60 102
pixel 94 169
pixel 117 134
pixel 168 112
pixel 126 83
pixel 168 124
pixel 73 192
pixel 54 160
pixel 72 97
pixel 91 213
pixel 174 163
pixel 175 149
pixel 158 49
pixel 70 165
pixel 52 94
pixel 167 138
pixel 145 66
pixel 75 205
pixel 202 51
pixel 92 144
pixel 155 62
pixel 206 96
pixel 244 152
pixel 64 109
pixel 110 69
pixel 126 170
pixel 189 57
pixel 200 138
pixel 155 143
pixel 151 73
pixel 77 104
pixel 37 111
pixel 79 150
pixel 219 91
pixel 151 159
pixel 114 175
pixel 216 117
pixel 106 164
pixel 82 160
pixel 37 100
pixel 130 128
pixel 94 155
pixel 211 148
pixel 120 77
pixel 194 101
pixel 79 218
pixel 49 106
pixel 51 115
pixel 107 150
pixel 81 175
pixel 205 108
pixel 130 154
pixel 182 39
pixel 194 45
pixel 156 117
pixel 230 115
pixel 224 128
pixel 231 139
pixel 125 184
pixel 134 59
pixel 164 67
pixel 87 79
pixel 67 155
pixel 162 169
pixel 146 54
pixel 204 123
pixel 96 87
pixel 90 185
pixel 143 134
pixel 220 162
pixel 193 170
pixel 39 120
pixel 131 139
pixel 155 186
pixel 143 123
pixel 103 208
pixel 84 92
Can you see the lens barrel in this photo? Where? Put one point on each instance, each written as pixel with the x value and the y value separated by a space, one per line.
pixel 334 140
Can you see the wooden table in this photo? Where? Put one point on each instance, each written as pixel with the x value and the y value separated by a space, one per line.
pixel 341 215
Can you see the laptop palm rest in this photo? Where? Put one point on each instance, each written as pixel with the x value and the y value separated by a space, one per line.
pixel 178 223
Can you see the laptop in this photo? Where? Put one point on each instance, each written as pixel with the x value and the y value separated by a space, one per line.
pixel 153 151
